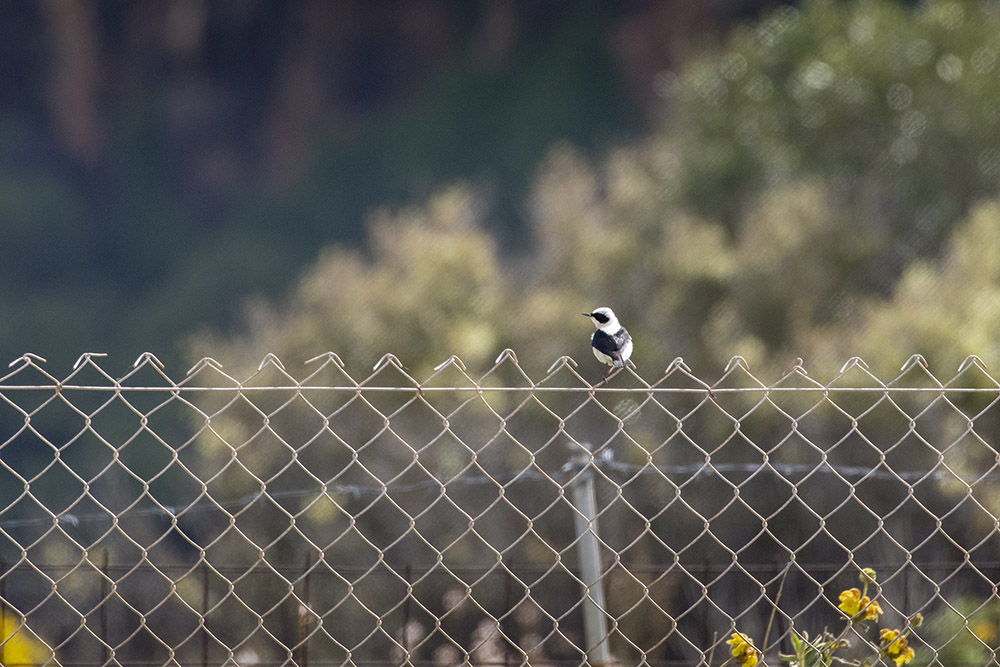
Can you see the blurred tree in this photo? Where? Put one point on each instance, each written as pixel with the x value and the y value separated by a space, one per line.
pixel 945 308
pixel 74 96
pixel 889 107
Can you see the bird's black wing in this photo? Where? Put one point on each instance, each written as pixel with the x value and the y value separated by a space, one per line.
pixel 608 344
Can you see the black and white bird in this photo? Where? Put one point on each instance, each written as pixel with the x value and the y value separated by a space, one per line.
pixel 611 342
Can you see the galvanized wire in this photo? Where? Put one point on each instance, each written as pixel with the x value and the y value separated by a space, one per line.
pixel 322 519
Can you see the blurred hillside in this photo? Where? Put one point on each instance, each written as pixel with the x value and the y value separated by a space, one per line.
pixel 161 162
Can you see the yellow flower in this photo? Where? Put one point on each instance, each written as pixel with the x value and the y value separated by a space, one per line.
pixel 887 637
pixel 895 647
pixel 904 657
pixel 852 603
pixel 872 611
pixel 743 650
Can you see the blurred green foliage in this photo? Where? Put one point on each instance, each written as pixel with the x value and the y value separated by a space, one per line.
pixel 963 633
pixel 812 196
pixel 893 108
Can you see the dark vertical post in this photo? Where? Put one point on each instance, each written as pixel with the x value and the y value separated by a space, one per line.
pixel 103 614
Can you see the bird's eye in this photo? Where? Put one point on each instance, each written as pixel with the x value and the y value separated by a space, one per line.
pixel 600 317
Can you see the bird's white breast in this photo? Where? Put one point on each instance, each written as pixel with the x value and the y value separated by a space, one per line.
pixel 601 357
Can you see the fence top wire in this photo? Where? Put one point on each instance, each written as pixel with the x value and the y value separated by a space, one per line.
pixel 914 376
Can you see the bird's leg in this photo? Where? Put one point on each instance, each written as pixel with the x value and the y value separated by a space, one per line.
pixel 607 376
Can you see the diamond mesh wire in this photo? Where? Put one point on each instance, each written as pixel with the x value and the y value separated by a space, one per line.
pixel 503 519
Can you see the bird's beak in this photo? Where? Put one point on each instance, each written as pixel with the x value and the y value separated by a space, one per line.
pixel 586 314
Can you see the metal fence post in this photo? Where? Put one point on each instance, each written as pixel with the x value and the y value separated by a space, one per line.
pixel 595 625
pixel 304 611
pixel 103 614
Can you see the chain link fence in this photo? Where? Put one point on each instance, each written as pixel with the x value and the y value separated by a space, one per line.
pixel 320 519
